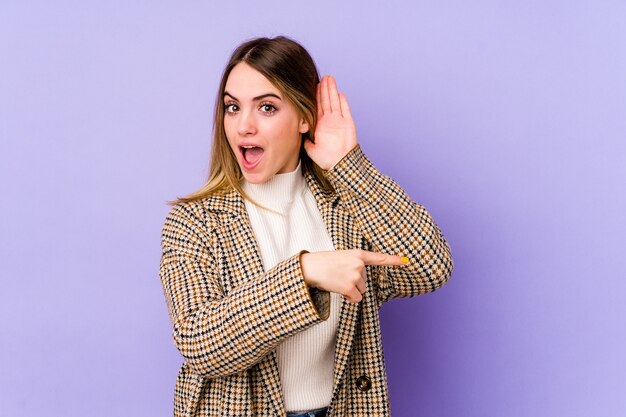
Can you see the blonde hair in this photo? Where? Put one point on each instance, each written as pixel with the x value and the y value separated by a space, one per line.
pixel 287 65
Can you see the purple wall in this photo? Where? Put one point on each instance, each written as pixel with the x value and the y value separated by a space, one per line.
pixel 508 122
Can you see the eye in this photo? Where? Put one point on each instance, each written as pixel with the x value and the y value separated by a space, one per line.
pixel 231 108
pixel 268 108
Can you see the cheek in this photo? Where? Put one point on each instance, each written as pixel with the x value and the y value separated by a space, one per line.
pixel 228 129
pixel 287 129
pixel 227 124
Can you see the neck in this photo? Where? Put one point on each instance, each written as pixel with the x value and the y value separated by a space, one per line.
pixel 278 190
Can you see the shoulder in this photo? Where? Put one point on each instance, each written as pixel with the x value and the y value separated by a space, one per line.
pixel 184 224
pixel 195 219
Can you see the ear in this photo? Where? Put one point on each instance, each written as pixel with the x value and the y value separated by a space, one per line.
pixel 304 126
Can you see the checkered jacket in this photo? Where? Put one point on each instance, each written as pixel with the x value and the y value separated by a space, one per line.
pixel 229 315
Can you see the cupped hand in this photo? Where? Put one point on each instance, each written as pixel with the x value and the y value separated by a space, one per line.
pixel 335 132
pixel 343 271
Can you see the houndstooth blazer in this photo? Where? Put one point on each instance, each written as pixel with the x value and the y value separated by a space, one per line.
pixel 229 315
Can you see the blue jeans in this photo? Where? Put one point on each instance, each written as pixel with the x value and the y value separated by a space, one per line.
pixel 320 412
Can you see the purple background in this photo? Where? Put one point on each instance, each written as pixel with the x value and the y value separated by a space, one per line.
pixel 507 120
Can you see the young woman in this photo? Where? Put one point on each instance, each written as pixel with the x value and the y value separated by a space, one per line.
pixel 274 271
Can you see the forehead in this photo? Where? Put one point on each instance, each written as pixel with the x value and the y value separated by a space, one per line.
pixel 246 82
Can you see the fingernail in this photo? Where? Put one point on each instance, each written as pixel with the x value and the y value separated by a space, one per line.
pixel 404 259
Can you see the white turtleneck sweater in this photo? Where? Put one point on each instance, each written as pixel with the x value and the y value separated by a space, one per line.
pixel 306 359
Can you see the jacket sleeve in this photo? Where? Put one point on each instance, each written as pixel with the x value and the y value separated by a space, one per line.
pixel 392 223
pixel 220 334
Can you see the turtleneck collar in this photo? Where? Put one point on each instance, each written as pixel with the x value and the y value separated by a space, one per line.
pixel 278 190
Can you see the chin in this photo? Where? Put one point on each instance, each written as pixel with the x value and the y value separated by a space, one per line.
pixel 256 178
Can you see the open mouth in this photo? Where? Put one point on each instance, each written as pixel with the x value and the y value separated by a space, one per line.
pixel 251 154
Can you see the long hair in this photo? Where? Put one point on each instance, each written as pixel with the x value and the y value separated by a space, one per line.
pixel 289 67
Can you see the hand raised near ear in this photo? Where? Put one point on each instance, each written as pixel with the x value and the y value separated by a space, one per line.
pixel 335 132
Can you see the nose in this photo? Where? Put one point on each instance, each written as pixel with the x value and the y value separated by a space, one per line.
pixel 247 124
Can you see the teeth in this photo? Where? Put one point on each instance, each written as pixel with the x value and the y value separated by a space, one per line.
pixel 248 147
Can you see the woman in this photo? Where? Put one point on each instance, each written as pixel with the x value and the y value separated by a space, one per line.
pixel 275 270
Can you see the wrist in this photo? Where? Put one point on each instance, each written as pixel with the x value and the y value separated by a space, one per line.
pixel 345 154
pixel 304 268
pixel 302 256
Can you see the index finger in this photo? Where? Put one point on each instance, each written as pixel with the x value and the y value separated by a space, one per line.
pixel 377 258
pixel 320 110
pixel 333 94
pixel 325 99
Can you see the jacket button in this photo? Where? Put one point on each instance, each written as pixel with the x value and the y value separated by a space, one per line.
pixel 363 383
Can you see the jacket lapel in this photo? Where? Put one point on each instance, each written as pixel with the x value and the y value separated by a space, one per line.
pixel 345 236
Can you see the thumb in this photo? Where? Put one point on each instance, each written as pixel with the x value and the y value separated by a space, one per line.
pixel 308 145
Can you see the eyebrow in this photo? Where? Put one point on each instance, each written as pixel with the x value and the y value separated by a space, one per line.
pixel 262 96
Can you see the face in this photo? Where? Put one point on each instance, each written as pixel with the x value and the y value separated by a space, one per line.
pixel 262 126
